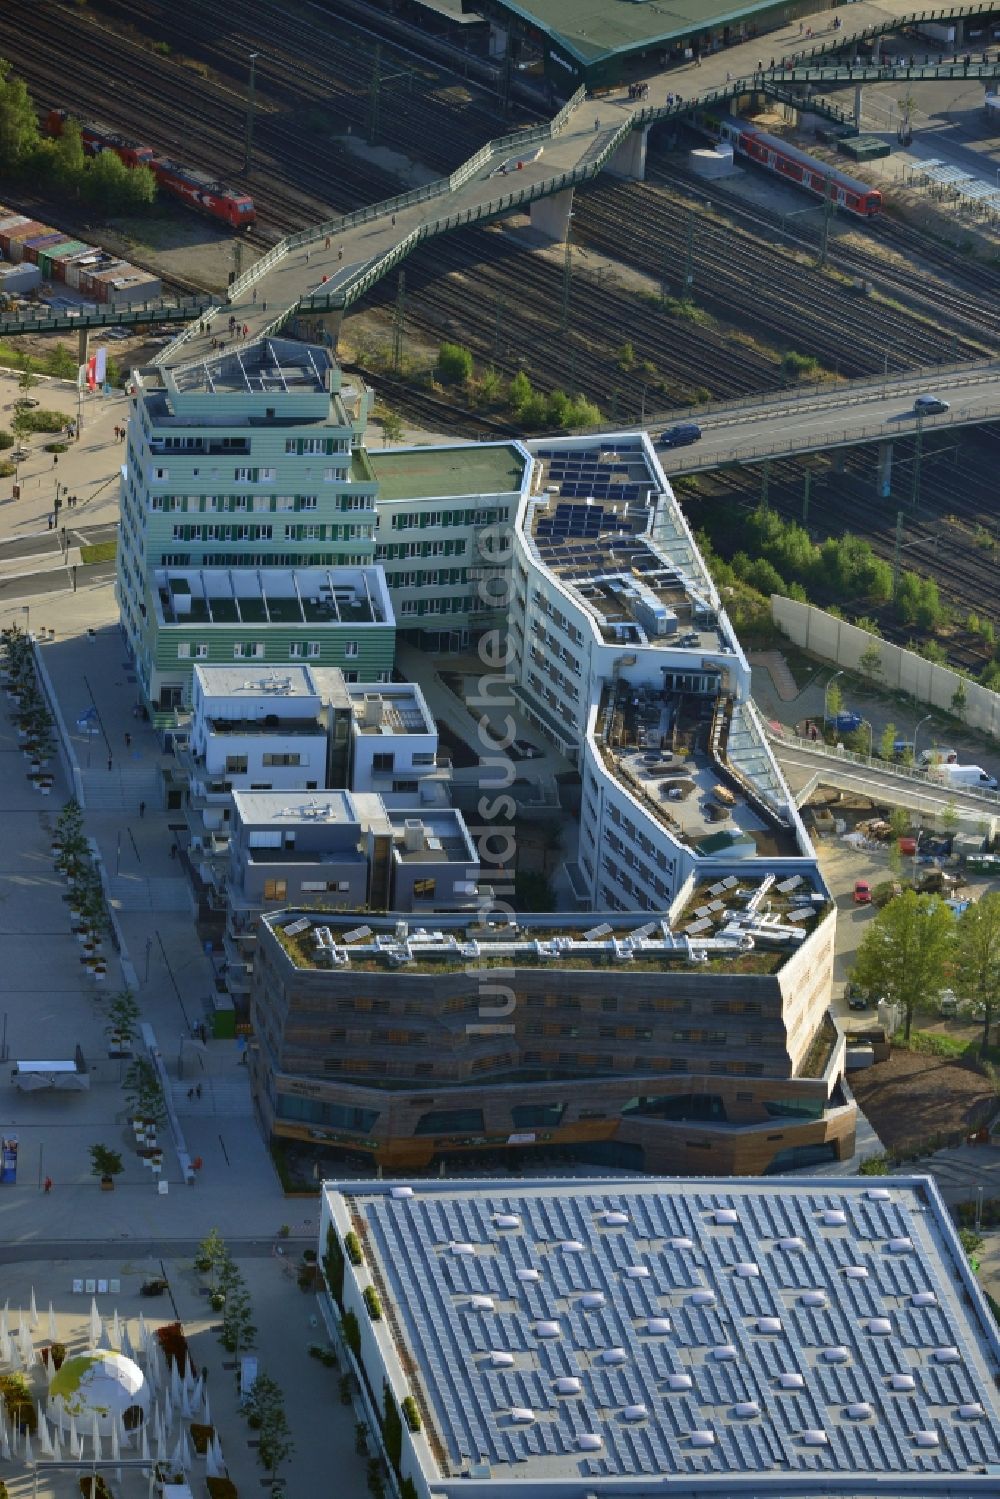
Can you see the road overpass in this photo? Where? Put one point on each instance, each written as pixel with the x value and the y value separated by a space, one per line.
pixel 835 416
pixel 806 765
pixel 312 277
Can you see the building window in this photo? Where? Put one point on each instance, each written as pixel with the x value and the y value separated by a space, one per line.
pixel 450 1122
pixel 264 840
pixel 275 889
pixel 236 765
pixel 350 647
pixel 285 759
pixel 201 652
pixel 183 652
pixel 383 760
pixel 267 475
pixel 295 649
pixel 537 1115
pixel 424 889
pixel 312 649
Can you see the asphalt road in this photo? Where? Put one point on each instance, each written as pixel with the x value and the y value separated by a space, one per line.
pixel 55 580
pixel 858 411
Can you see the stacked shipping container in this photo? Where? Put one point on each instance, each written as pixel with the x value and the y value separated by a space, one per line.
pixel 100 276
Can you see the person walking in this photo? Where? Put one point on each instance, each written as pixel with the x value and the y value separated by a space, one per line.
pixel 142 809
pixel 128 741
pixel 48 1184
pixel 255 296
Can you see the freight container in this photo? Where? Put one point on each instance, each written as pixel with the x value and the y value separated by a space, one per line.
pixel 33 247
pixel 49 257
pixel 16 280
pixel 13 243
pixel 127 285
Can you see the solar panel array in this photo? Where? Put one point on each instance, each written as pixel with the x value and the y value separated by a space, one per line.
pixel 598 473
pixel 767 1339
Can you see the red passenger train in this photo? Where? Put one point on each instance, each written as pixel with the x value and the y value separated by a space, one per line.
pixel 796 166
pixel 194 188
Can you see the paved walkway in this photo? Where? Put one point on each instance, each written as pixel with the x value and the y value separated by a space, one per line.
pixel 326 263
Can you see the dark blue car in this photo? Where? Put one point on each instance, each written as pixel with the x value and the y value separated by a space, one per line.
pixel 680 436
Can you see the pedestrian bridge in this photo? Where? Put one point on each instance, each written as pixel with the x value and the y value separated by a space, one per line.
pixel 315 275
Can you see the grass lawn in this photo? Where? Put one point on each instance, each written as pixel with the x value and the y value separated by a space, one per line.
pixel 102 551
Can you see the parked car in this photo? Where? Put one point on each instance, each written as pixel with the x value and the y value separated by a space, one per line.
pixel 862 893
pixel 681 435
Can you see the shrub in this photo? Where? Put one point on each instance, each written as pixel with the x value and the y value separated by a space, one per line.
pixel 57 447
pixel 353 1246
pixel 173 1342
pixel 875 1165
pixel 799 364
pixel 221 1488
pixel 352 1333
pixel 41 420
pixel 201 1435
pixel 454 364
pixel 94 1486
pixel 333 1266
pixel 326 1356
pixel 373 1304
pixel 18 1400
pixel 410 1414
pixel 6 441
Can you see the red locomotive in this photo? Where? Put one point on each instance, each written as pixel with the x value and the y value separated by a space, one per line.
pixel 194 188
pixel 804 171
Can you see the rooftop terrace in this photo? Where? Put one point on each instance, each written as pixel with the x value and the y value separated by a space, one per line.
pixel 626 943
pixel 429 473
pixel 272 366
pixel 273 596
pixel 795 1337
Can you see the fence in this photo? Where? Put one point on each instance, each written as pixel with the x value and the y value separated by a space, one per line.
pixel 899 670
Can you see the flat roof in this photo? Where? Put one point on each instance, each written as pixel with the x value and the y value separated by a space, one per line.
pixel 592 29
pixel 273 366
pixel 469 469
pixel 234 681
pixel 794 1336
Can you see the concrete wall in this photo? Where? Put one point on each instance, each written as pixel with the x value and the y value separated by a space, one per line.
pixel 902 671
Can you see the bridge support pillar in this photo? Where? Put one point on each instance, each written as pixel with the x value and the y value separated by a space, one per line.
pixel 959 31
pixel 858 100
pixel 630 158
pixel 317 327
pixel 83 348
pixel 838 461
pixel 885 469
pixel 550 216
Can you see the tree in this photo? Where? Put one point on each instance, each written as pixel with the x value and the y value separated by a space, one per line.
pixel 238 1331
pixel 519 392
pixel 949 818
pixel 18 122
pixel 959 700
pixel 105 1162
pixel 899 822
pixel 392 426
pixel 870 661
pixel 978 958
pixel 143 1092
pixel 886 741
pixel 454 364
pixel 211 1252
pixel 834 701
pixel 905 951
pixel 267 1404
pixel 69 158
pixel 113 187
pixel 123 1019
pixel 490 385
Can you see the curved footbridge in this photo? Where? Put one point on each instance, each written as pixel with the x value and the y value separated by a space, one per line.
pixel 312 277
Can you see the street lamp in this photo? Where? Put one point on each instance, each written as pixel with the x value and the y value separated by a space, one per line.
pixel 826 693
pixel 926 719
pixel 250 108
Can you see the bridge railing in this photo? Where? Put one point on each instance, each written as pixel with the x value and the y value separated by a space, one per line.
pixel 824 396
pixel 910 773
pixel 881 432
pixel 345 293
